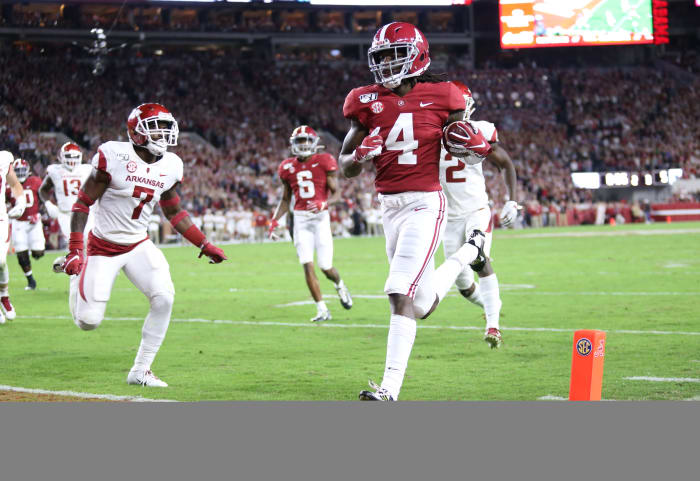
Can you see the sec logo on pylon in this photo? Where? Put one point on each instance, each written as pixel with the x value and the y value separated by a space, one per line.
pixel 584 346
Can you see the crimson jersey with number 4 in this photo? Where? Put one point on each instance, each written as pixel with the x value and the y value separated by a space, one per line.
pixel 125 207
pixel 411 127
pixel 67 183
pixel 308 179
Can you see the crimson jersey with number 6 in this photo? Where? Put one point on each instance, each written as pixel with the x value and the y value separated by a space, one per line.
pixel 411 127
pixel 67 183
pixel 308 179
pixel 135 187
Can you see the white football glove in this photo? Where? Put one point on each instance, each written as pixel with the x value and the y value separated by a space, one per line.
pixel 51 209
pixel 509 213
pixel 18 209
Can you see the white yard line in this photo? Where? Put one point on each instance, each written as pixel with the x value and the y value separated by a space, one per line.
pixel 634 232
pixel 377 326
pixel 661 379
pixel 87 395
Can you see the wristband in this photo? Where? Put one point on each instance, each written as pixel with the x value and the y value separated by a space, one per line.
pixel 75 241
pixel 194 235
pixel 85 199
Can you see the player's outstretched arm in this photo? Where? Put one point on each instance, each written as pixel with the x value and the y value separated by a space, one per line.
pixel 354 151
pixel 180 220
pixel 17 193
pixel 501 159
pixel 92 190
pixel 45 196
pixel 282 208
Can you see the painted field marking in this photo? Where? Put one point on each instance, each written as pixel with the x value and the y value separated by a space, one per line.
pixel 661 379
pixel 602 233
pixel 86 395
pixel 375 326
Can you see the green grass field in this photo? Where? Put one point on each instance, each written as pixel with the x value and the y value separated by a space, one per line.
pixel 232 338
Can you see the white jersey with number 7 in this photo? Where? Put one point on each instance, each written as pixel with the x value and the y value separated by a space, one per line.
pixel 125 207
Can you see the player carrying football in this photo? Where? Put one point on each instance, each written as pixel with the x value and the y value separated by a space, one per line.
pixel 310 176
pixel 127 180
pixel 463 182
pixel 27 230
pixel 9 179
pixel 398 123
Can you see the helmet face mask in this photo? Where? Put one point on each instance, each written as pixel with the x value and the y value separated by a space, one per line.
pixel 399 50
pixel 21 168
pixel 70 155
pixel 153 127
pixel 303 141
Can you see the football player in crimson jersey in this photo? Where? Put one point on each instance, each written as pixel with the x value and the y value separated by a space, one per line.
pixel 27 230
pixel 310 176
pixel 127 180
pixel 8 178
pixel 468 209
pixel 397 124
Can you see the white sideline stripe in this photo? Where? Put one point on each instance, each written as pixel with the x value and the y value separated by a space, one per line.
pixel 602 233
pixel 675 212
pixel 661 379
pixel 549 397
pixel 376 326
pixel 87 395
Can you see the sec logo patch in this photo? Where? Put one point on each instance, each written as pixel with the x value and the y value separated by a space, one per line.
pixel 131 167
pixel 584 346
pixel 377 107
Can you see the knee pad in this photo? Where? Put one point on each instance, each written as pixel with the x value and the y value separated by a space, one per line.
pixel 89 319
pixel 23 259
pixel 37 254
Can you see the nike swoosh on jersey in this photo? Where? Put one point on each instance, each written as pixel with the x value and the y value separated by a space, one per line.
pixel 425 105
pixel 314 165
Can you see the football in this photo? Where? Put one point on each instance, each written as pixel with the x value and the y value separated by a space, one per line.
pixel 465 141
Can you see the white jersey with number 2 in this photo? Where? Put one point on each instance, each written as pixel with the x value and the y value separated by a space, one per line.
pixel 125 207
pixel 464 185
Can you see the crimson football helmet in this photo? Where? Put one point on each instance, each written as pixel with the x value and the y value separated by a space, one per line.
pixel 399 50
pixel 468 99
pixel 152 126
pixel 304 141
pixel 70 155
pixel 21 168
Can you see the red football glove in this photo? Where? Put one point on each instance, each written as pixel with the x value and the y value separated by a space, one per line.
pixel 462 139
pixel 317 207
pixel 370 147
pixel 74 259
pixel 214 254
pixel 271 230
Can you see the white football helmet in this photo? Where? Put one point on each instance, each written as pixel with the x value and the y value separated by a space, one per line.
pixel 70 155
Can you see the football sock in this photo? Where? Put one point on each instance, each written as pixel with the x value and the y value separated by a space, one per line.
pixel 4 275
pixel 154 330
pixel 465 255
pixel 321 306
pixel 402 333
pixel 340 284
pixel 491 297
pixel 28 274
pixel 475 297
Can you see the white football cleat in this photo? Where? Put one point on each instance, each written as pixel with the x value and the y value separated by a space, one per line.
pixel 58 264
pixel 344 295
pixel 322 316
pixel 144 378
pixel 379 393
pixel 2 318
pixel 7 308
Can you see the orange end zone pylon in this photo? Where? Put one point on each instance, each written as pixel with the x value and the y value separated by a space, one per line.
pixel 587 365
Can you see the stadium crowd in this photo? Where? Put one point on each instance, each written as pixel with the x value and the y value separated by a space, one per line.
pixel 240 114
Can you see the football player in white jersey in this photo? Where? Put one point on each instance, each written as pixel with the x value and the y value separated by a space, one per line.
pixel 65 179
pixel 468 209
pixel 127 180
pixel 8 179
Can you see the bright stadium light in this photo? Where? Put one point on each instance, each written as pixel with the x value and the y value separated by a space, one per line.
pixel 648 179
pixel 634 180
